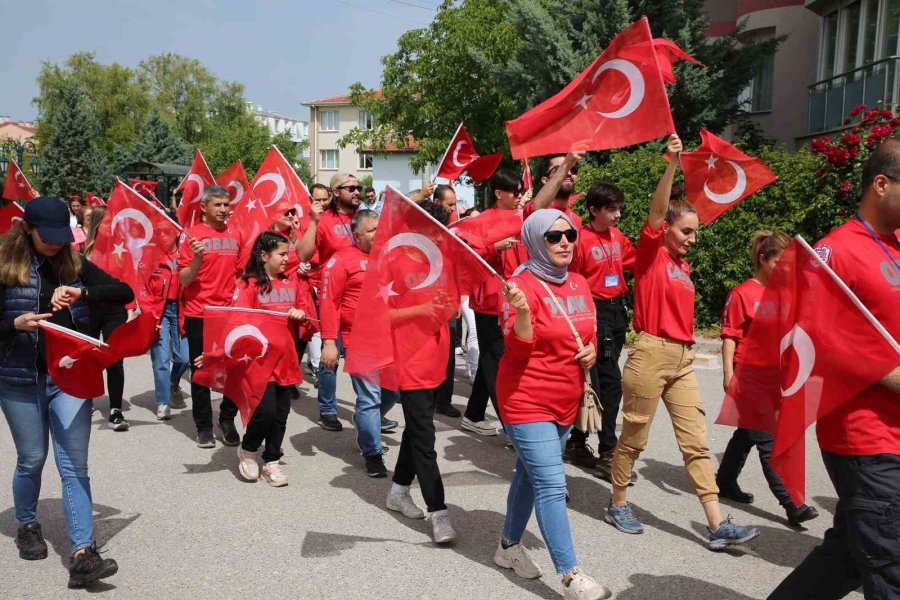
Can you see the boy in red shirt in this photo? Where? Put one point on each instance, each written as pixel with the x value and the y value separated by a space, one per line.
pixel 208 269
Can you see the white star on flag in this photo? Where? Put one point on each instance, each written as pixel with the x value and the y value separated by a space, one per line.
pixel 386 291
pixel 251 204
pixel 711 161
pixel 583 102
pixel 119 250
pixel 245 359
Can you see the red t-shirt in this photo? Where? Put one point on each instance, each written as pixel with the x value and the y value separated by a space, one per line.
pixel 663 290
pixel 573 216
pixel 342 281
pixel 539 379
pixel 487 297
pixel 740 308
pixel 601 257
pixel 868 423
pixel 333 233
pixel 215 283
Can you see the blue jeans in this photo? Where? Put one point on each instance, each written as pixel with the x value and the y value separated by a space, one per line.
pixel 540 484
pixel 328 385
pixel 36 413
pixel 169 347
pixel 372 403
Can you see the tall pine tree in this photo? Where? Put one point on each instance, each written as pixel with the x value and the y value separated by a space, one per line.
pixel 156 143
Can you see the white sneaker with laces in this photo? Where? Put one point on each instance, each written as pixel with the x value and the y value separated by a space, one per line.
pixel 582 587
pixel 247 464
pixel 485 427
pixel 517 559
pixel 163 413
pixel 403 503
pixel 273 474
pixel 441 527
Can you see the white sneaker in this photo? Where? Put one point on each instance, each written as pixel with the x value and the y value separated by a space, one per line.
pixel 273 474
pixel 517 559
pixel 486 427
pixel 247 464
pixel 403 503
pixel 582 587
pixel 459 351
pixel 441 527
pixel 163 413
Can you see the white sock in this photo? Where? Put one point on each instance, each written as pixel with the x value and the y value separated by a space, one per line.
pixel 397 489
pixel 439 513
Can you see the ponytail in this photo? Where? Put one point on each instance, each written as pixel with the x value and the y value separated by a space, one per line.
pixel 765 244
pixel 268 242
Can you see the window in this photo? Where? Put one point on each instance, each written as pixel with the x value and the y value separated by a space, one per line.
pixel 365 120
pixel 329 120
pixel 870 35
pixel 365 161
pixel 829 52
pixel 892 25
pixel 851 37
pixel 857 34
pixel 329 159
pixel 758 96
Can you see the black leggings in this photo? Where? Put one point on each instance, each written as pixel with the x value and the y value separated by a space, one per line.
pixel 490 344
pixel 105 322
pixel 269 422
pixel 417 457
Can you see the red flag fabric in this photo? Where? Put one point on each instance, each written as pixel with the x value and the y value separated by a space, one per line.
pixel 416 275
pixel 809 349
pixel 243 350
pixel 144 187
pixel 133 238
pixel 17 186
pixel 489 227
pixel 527 181
pixel 717 176
pixel 9 214
pixel 619 100
pixel 192 186
pixel 94 200
pixel 461 156
pixel 75 361
pixel 234 179
pixel 668 53
pixel 135 337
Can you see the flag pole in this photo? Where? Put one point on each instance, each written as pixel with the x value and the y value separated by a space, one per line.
pixel 446 152
pixel 72 332
pixel 468 248
pixel 853 298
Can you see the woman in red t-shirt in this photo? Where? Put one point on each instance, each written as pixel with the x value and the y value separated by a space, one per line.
pixel 539 386
pixel 265 286
pixel 742 305
pixel 661 363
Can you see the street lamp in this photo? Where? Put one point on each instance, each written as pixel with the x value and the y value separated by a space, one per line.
pixel 4 164
pixel 20 148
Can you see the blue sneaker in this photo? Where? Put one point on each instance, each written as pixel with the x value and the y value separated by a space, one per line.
pixel 729 534
pixel 623 519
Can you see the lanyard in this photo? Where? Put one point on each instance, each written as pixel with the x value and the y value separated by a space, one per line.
pixel 879 242
pixel 346 227
pixel 608 259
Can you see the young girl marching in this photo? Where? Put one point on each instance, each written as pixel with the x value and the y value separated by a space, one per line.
pixel 265 286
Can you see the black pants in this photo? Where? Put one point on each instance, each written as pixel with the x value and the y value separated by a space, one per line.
pixel 490 346
pixel 863 545
pixel 444 392
pixel 269 422
pixel 105 321
pixel 417 457
pixel 612 326
pixel 739 447
pixel 200 396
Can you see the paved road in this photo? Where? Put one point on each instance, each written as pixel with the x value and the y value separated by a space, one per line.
pixel 182 524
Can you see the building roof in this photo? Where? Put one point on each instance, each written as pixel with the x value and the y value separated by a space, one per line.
pixel 411 145
pixel 23 125
pixel 338 100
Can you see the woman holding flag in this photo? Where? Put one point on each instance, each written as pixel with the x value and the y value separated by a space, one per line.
pixel 43 277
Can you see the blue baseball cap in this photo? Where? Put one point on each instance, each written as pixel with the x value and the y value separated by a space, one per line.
pixel 50 216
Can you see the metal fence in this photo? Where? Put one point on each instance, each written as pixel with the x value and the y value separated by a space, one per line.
pixel 875 84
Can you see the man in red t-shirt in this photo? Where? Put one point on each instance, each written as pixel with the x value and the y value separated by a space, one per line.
pixel 860 439
pixel 559 174
pixel 208 269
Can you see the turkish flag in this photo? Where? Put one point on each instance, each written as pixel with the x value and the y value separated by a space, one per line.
pixel 489 227
pixel 135 337
pixel 810 348
pixel 17 186
pixel 147 189
pixel 717 176
pixel 234 179
pixel 668 53
pixel 75 361
pixel 416 275
pixel 133 238
pixel 94 200
pixel 619 100
pixel 192 186
pixel 9 214
pixel 527 181
pixel 461 156
pixel 243 350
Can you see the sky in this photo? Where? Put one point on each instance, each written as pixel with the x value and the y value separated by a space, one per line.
pixel 284 52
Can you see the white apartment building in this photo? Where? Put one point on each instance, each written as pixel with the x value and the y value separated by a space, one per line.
pixel 277 123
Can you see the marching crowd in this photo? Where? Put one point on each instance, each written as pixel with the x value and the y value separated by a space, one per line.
pixel 558 312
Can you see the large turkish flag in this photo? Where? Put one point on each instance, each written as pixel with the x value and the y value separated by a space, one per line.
pixel 192 186
pixel 16 186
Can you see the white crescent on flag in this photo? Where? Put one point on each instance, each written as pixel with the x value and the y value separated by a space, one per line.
pixel 201 187
pixel 455 156
pixel 635 80
pixel 424 245
pixel 280 187
pixel 806 355
pixel 734 193
pixel 245 331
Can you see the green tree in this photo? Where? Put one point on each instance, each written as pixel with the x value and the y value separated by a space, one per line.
pixel 156 143
pixel 71 161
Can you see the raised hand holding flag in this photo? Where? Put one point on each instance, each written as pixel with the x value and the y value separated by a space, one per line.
pixel 16 186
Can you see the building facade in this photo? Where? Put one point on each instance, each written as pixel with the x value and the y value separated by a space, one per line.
pixel 18 131
pixel 278 123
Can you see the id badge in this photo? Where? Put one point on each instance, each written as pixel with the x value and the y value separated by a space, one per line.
pixel 611 281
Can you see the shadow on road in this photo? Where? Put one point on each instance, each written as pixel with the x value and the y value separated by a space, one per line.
pixel 675 587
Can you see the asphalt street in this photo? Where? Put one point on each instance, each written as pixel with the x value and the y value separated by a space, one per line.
pixel 183 524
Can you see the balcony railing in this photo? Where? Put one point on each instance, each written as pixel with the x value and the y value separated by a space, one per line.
pixel 874 84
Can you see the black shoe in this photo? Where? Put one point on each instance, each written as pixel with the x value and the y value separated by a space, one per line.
pixel 230 435
pixel 30 542
pixel 388 425
pixel 448 410
pixel 117 420
pixel 580 454
pixel 800 514
pixel 330 423
pixel 295 392
pixel 734 492
pixel 375 466
pixel 603 470
pixel 205 439
pixel 88 567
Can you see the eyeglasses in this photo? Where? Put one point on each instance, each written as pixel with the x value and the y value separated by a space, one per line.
pixel 291 212
pixel 554 169
pixel 555 236
pixel 351 188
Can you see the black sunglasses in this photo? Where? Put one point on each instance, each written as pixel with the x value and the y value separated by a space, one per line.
pixel 573 170
pixel 291 212
pixel 555 236
pixel 351 188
